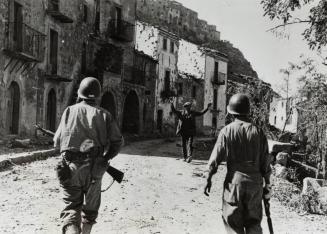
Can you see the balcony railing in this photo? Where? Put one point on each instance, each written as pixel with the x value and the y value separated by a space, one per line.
pixel 134 75
pixel 219 79
pixel 54 11
pixel 121 30
pixel 24 42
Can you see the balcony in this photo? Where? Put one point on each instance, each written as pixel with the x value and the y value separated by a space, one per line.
pixel 167 94
pixel 54 11
pixel 121 30
pixel 219 79
pixel 24 43
pixel 51 74
pixel 134 75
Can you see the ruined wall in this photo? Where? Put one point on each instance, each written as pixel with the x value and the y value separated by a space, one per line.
pixel 220 112
pixel 167 62
pixel 191 60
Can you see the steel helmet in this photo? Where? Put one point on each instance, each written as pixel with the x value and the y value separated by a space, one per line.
pixel 89 88
pixel 239 104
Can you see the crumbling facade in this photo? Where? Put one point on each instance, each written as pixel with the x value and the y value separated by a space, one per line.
pixel 186 72
pixel 41 47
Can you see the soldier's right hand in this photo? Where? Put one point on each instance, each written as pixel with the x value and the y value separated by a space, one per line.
pixel 207 188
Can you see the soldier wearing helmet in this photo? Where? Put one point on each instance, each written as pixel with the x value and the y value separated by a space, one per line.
pixel 186 127
pixel 244 147
pixel 87 137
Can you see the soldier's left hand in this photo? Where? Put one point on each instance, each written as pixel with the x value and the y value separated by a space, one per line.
pixel 267 192
pixel 207 188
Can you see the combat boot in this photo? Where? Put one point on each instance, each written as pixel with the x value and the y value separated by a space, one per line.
pixel 86 228
pixel 71 229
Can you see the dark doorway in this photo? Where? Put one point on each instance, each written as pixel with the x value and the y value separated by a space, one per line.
pixel 13 108
pixel 131 113
pixel 51 110
pixel 159 120
pixel 108 103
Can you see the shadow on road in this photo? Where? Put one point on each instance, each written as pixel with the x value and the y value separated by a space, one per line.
pixel 170 148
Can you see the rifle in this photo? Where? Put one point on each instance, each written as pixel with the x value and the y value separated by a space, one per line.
pixel 267 211
pixel 116 174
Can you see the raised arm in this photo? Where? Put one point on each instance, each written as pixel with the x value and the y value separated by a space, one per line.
pixel 203 111
pixel 176 112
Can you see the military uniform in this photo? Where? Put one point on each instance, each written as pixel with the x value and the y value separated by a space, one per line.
pixel 244 147
pixel 85 132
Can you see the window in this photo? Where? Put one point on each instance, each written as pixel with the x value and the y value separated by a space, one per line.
pixel 83 63
pixel 85 13
pixel 97 22
pixel 54 5
pixel 164 45
pixel 53 51
pixel 216 72
pixel 194 91
pixel 18 25
pixel 172 47
pixel 159 120
pixel 214 122
pixel 282 104
pixel 180 89
pixel 275 120
pixel 118 17
pixel 215 99
pixel 167 80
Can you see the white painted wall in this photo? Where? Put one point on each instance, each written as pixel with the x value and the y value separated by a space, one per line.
pixel 278 115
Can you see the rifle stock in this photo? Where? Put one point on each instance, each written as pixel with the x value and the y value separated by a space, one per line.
pixel 116 174
pixel 267 211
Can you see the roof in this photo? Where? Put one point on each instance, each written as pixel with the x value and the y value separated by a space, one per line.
pixel 214 53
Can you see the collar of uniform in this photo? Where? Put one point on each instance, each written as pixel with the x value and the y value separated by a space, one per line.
pixel 242 119
pixel 89 102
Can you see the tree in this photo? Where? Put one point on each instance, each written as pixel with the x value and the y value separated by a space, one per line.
pixel 260 97
pixel 316 20
pixel 313 108
pixel 286 90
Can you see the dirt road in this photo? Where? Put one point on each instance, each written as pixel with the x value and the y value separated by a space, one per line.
pixel 160 194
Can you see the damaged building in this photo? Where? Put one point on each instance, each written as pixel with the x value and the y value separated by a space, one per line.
pixel 186 72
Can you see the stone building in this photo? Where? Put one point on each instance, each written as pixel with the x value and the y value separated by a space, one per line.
pixel 174 17
pixel 42 43
pixel 186 72
pixel 202 80
pixel 284 114
pixel 48 46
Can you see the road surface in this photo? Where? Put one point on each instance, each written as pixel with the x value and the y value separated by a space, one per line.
pixel 160 194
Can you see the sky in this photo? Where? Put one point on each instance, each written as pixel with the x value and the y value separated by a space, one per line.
pixel 242 23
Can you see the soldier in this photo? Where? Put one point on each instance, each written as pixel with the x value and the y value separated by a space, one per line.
pixel 186 127
pixel 244 147
pixel 87 137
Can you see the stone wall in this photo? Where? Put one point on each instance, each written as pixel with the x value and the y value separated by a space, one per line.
pixel 33 77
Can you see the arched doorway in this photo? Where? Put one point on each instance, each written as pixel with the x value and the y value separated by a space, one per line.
pixel 131 113
pixel 108 103
pixel 13 108
pixel 51 110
